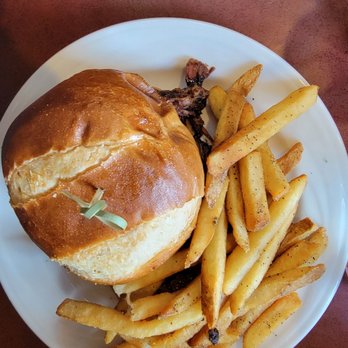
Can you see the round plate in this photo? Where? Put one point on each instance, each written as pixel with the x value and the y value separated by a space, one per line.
pixel 158 49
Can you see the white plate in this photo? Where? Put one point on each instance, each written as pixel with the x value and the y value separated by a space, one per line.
pixel 158 49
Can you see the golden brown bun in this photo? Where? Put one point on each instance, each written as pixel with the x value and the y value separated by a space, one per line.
pixel 103 129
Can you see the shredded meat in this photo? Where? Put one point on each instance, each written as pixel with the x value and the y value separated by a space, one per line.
pixel 190 101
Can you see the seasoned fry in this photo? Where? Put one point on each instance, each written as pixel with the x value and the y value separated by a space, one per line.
pixel 104 318
pixel 297 232
pixel 228 123
pixel 254 277
pixel 172 265
pixel 246 82
pixel 216 100
pixel 270 289
pixel 302 253
pixel 184 299
pixel 213 270
pixel 242 323
pixel 235 209
pixel 179 337
pixel 243 85
pixel 238 262
pixel 254 194
pixel 275 180
pixel 149 306
pixel 205 228
pixel 260 130
pixel 126 345
pixel 291 158
pixel 229 117
pixel 270 319
pixel 147 291
pixel 278 285
pixel 252 182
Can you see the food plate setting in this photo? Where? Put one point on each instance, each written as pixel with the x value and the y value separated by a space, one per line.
pixel 158 49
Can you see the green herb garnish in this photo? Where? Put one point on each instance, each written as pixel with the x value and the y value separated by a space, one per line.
pixel 95 208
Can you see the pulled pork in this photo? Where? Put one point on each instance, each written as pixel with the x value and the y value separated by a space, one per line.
pixel 190 101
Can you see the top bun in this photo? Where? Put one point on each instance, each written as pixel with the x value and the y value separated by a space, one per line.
pixel 110 130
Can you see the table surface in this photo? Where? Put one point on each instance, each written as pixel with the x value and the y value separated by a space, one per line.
pixel 311 35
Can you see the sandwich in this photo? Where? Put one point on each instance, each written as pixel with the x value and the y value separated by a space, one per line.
pixel 103 176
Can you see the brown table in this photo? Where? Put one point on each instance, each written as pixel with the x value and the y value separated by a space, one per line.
pixel 311 35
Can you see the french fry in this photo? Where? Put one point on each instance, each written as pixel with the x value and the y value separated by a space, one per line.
pixel 291 158
pixel 216 100
pixel 212 273
pixel 281 284
pixel 184 299
pixel 270 289
pixel 227 126
pixel 149 306
pixel 179 337
pixel 205 227
pixel 172 265
pixel 242 323
pixel 275 181
pixel 298 231
pixel 235 209
pixel 260 130
pixel 305 252
pixel 243 85
pixel 270 319
pixel 146 291
pixel 228 123
pixel 246 82
pixel 104 318
pixel 252 182
pixel 229 117
pixel 254 277
pixel 254 194
pixel 238 262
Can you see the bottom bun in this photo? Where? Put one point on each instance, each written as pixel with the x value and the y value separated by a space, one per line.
pixel 130 256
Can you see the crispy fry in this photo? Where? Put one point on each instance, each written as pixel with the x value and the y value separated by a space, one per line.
pixel 235 209
pixel 242 323
pixel 270 319
pixel 254 277
pixel 278 285
pixel 254 194
pixel 246 82
pixel 260 130
pixel 149 306
pixel 213 270
pixel 126 345
pixel 270 289
pixel 275 180
pixel 291 158
pixel 205 227
pixel 216 100
pixel 297 232
pixel 184 299
pixel 305 252
pixel 171 266
pixel 229 117
pixel 228 123
pixel 238 262
pixel 109 319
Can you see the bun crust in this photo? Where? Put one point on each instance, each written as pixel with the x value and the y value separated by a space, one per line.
pixel 100 129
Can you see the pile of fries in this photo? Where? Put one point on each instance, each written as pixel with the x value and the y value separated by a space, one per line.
pixel 249 275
